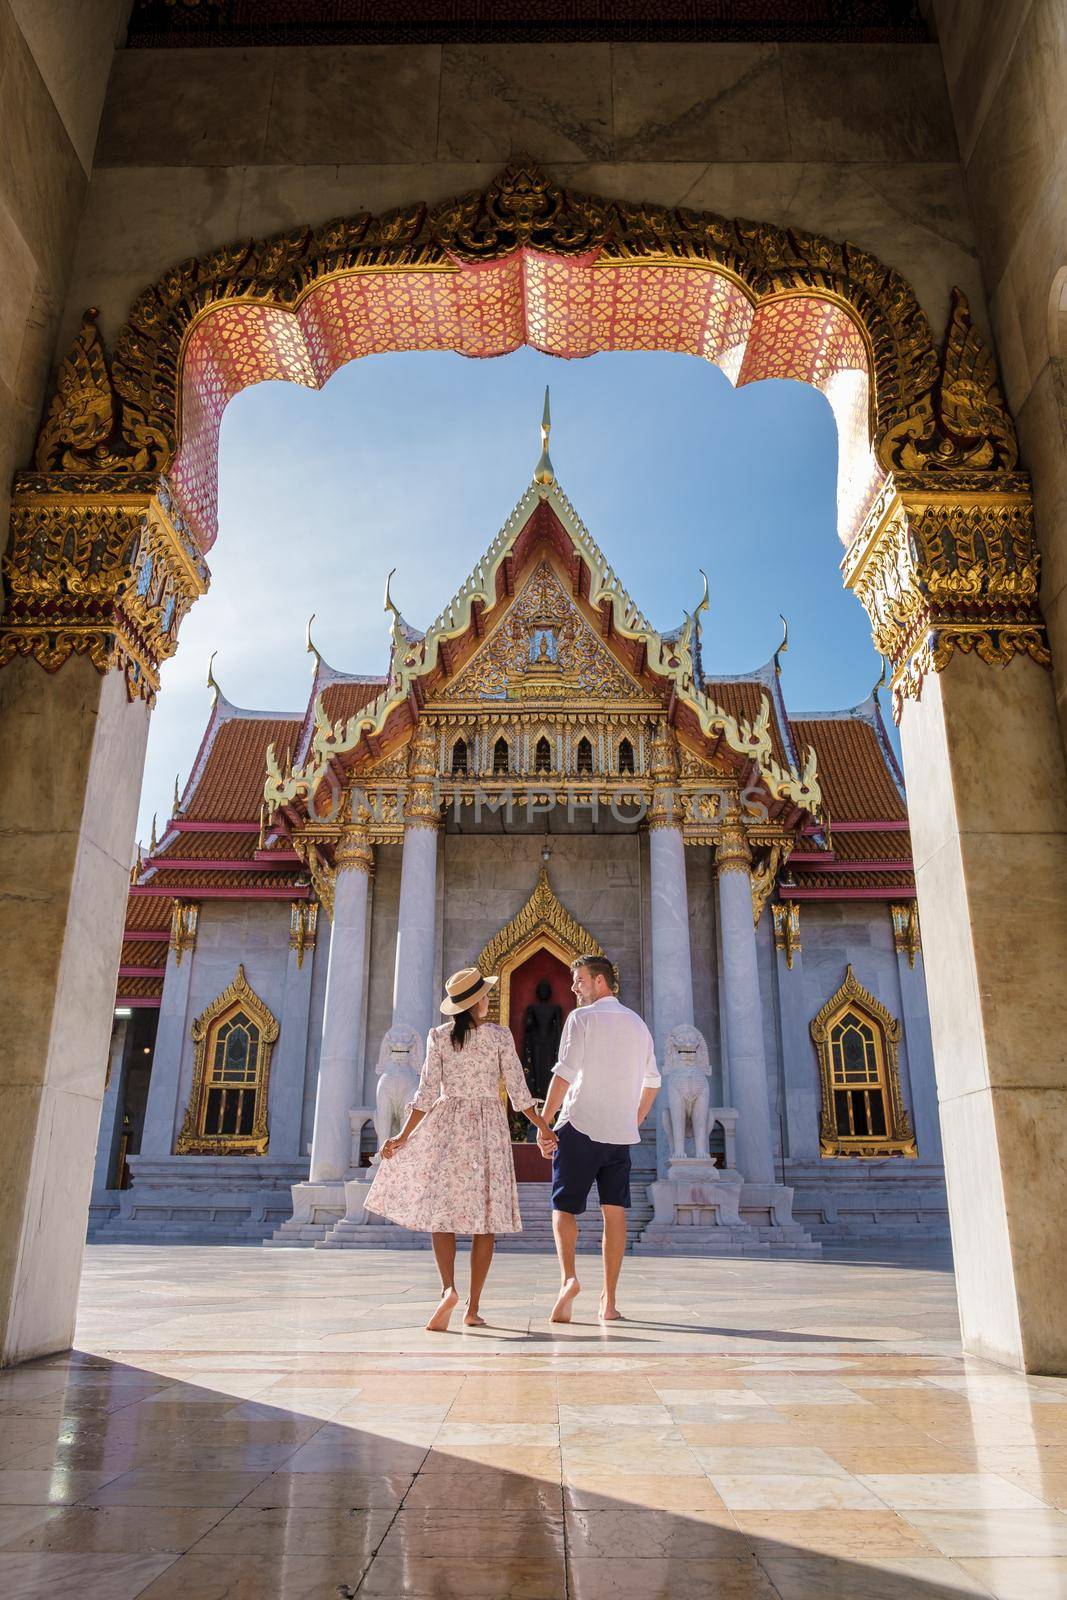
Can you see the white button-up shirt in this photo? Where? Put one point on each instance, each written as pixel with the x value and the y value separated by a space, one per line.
pixel 607 1057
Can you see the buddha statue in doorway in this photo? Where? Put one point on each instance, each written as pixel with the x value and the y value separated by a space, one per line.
pixel 542 1028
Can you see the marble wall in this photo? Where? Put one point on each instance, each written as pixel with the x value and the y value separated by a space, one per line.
pixel 1006 68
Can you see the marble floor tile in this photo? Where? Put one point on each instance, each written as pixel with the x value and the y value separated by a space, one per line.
pixel 245 1577
pixel 866 1534
pixel 1020 1578
pixel 452 1533
pixel 673 1578
pixel 42 1574
pixel 485 1491
pixel 764 1458
pixel 366 1491
pixel 43 1486
pixel 17 1521
pixel 793 1492
pixel 987 1532
pixel 296 1530
pixel 148 1486
pixel 120 1530
pixel 928 1491
pixel 465 1579
pixel 640 1533
pixel 804 1577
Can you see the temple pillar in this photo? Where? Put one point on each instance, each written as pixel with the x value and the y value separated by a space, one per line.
pixel 107 1140
pixel 343 1019
pixel 915 1027
pixel 416 934
pixel 802 1090
pixel 163 1111
pixel 746 1063
pixel 290 1055
pixel 947 569
pixel 672 962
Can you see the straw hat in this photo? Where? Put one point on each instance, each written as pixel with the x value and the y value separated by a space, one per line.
pixel 464 989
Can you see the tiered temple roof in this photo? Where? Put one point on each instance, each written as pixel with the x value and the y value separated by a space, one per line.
pixel 850 821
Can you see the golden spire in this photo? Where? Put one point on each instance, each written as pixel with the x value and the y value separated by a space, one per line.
pixel 544 471
pixel 881 681
pixel 389 604
pixel 211 683
pixel 177 796
pixel 153 845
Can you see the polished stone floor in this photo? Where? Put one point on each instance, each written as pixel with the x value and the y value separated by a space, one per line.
pixel 239 1424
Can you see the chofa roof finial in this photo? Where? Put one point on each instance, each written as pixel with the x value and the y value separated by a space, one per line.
pixel 881 681
pixel 544 471
pixel 211 680
pixel 311 650
pixel 783 647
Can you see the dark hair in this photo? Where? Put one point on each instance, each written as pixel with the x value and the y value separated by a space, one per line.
pixel 462 1023
pixel 599 966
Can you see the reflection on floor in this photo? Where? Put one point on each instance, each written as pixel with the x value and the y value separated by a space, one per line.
pixel 243 1424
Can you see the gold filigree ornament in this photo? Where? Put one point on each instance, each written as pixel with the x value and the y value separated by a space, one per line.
pixel 765 876
pixel 858 1041
pixel 108 575
pixel 786 914
pixel 544 923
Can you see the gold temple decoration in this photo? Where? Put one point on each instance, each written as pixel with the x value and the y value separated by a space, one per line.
pixel 946 560
pixel 765 876
pixel 786 914
pixel 906 939
pixel 184 919
pixel 319 871
pixel 544 472
pixel 665 810
pixel 732 851
pixel 303 924
pixel 542 924
pixel 227 1110
pixel 863 1112
pixel 423 808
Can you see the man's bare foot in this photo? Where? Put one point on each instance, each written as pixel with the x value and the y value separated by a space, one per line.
pixel 472 1319
pixel 438 1323
pixel 561 1311
pixel 610 1313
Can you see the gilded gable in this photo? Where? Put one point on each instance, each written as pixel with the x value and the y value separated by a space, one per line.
pixel 543 649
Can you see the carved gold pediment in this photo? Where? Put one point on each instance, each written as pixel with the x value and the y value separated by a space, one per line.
pixel 543 923
pixel 542 650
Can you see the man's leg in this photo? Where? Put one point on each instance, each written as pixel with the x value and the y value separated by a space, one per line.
pixel 565 1233
pixel 614 1250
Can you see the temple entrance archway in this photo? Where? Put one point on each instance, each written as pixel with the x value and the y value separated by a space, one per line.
pixel 112 525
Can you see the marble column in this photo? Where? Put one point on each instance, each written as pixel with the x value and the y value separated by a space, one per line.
pixel 672 961
pixel 800 1072
pixel 915 1026
pixel 111 1110
pixel 72 753
pixel 987 794
pixel 746 1061
pixel 289 1065
pixel 416 934
pixel 343 1018
pixel 163 1114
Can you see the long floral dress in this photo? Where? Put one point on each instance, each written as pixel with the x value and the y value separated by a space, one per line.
pixel 455 1174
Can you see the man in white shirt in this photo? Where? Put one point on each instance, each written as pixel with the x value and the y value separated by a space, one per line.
pixel 603 1086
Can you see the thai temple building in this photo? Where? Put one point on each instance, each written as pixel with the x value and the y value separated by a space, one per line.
pixel 540 773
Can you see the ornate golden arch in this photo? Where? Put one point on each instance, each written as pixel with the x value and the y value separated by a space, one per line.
pixel 106 556
pixel 883 1076
pixel 544 923
pixel 240 999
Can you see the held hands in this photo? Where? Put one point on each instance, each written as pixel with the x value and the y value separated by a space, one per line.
pixel 546 1142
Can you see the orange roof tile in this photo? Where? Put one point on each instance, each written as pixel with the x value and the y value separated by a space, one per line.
pixel 230 787
pixel 141 912
pixel 165 878
pixel 857 785
pixel 341 699
pixel 139 989
pixel 143 952
pixel 210 846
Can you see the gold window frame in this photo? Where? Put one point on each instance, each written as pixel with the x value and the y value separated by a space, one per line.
pixel 192 1140
pixel 899 1138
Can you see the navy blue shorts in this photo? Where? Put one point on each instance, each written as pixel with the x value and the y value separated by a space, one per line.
pixel 577 1161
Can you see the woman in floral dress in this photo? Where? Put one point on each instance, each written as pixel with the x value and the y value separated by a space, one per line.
pixel 450 1168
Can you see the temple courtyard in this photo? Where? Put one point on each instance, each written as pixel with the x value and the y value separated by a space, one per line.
pixel 239 1422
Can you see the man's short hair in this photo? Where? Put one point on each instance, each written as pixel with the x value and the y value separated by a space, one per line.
pixel 599 966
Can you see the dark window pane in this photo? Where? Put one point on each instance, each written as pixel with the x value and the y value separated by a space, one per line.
pixel 626 756
pixel 213 1112
pixel 860 1124
pixel 878 1124
pixel 841 1114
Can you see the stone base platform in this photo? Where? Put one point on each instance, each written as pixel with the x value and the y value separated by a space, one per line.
pixel 198 1200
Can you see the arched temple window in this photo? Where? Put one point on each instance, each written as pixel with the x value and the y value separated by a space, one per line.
pixel 862 1109
pixel 626 756
pixel 459 757
pixel 584 761
pixel 542 755
pixel 501 758
pixel 227 1110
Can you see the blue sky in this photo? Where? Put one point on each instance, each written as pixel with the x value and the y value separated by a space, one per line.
pixel 415 460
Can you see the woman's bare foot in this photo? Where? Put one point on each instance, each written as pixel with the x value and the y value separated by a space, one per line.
pixel 561 1311
pixel 472 1319
pixel 438 1323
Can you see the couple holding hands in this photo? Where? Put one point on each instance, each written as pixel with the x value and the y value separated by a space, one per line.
pixel 450 1168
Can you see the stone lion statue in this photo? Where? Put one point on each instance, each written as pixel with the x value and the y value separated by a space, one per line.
pixel 399 1063
pixel 686 1075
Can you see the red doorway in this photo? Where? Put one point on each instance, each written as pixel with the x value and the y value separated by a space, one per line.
pixel 530 1165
